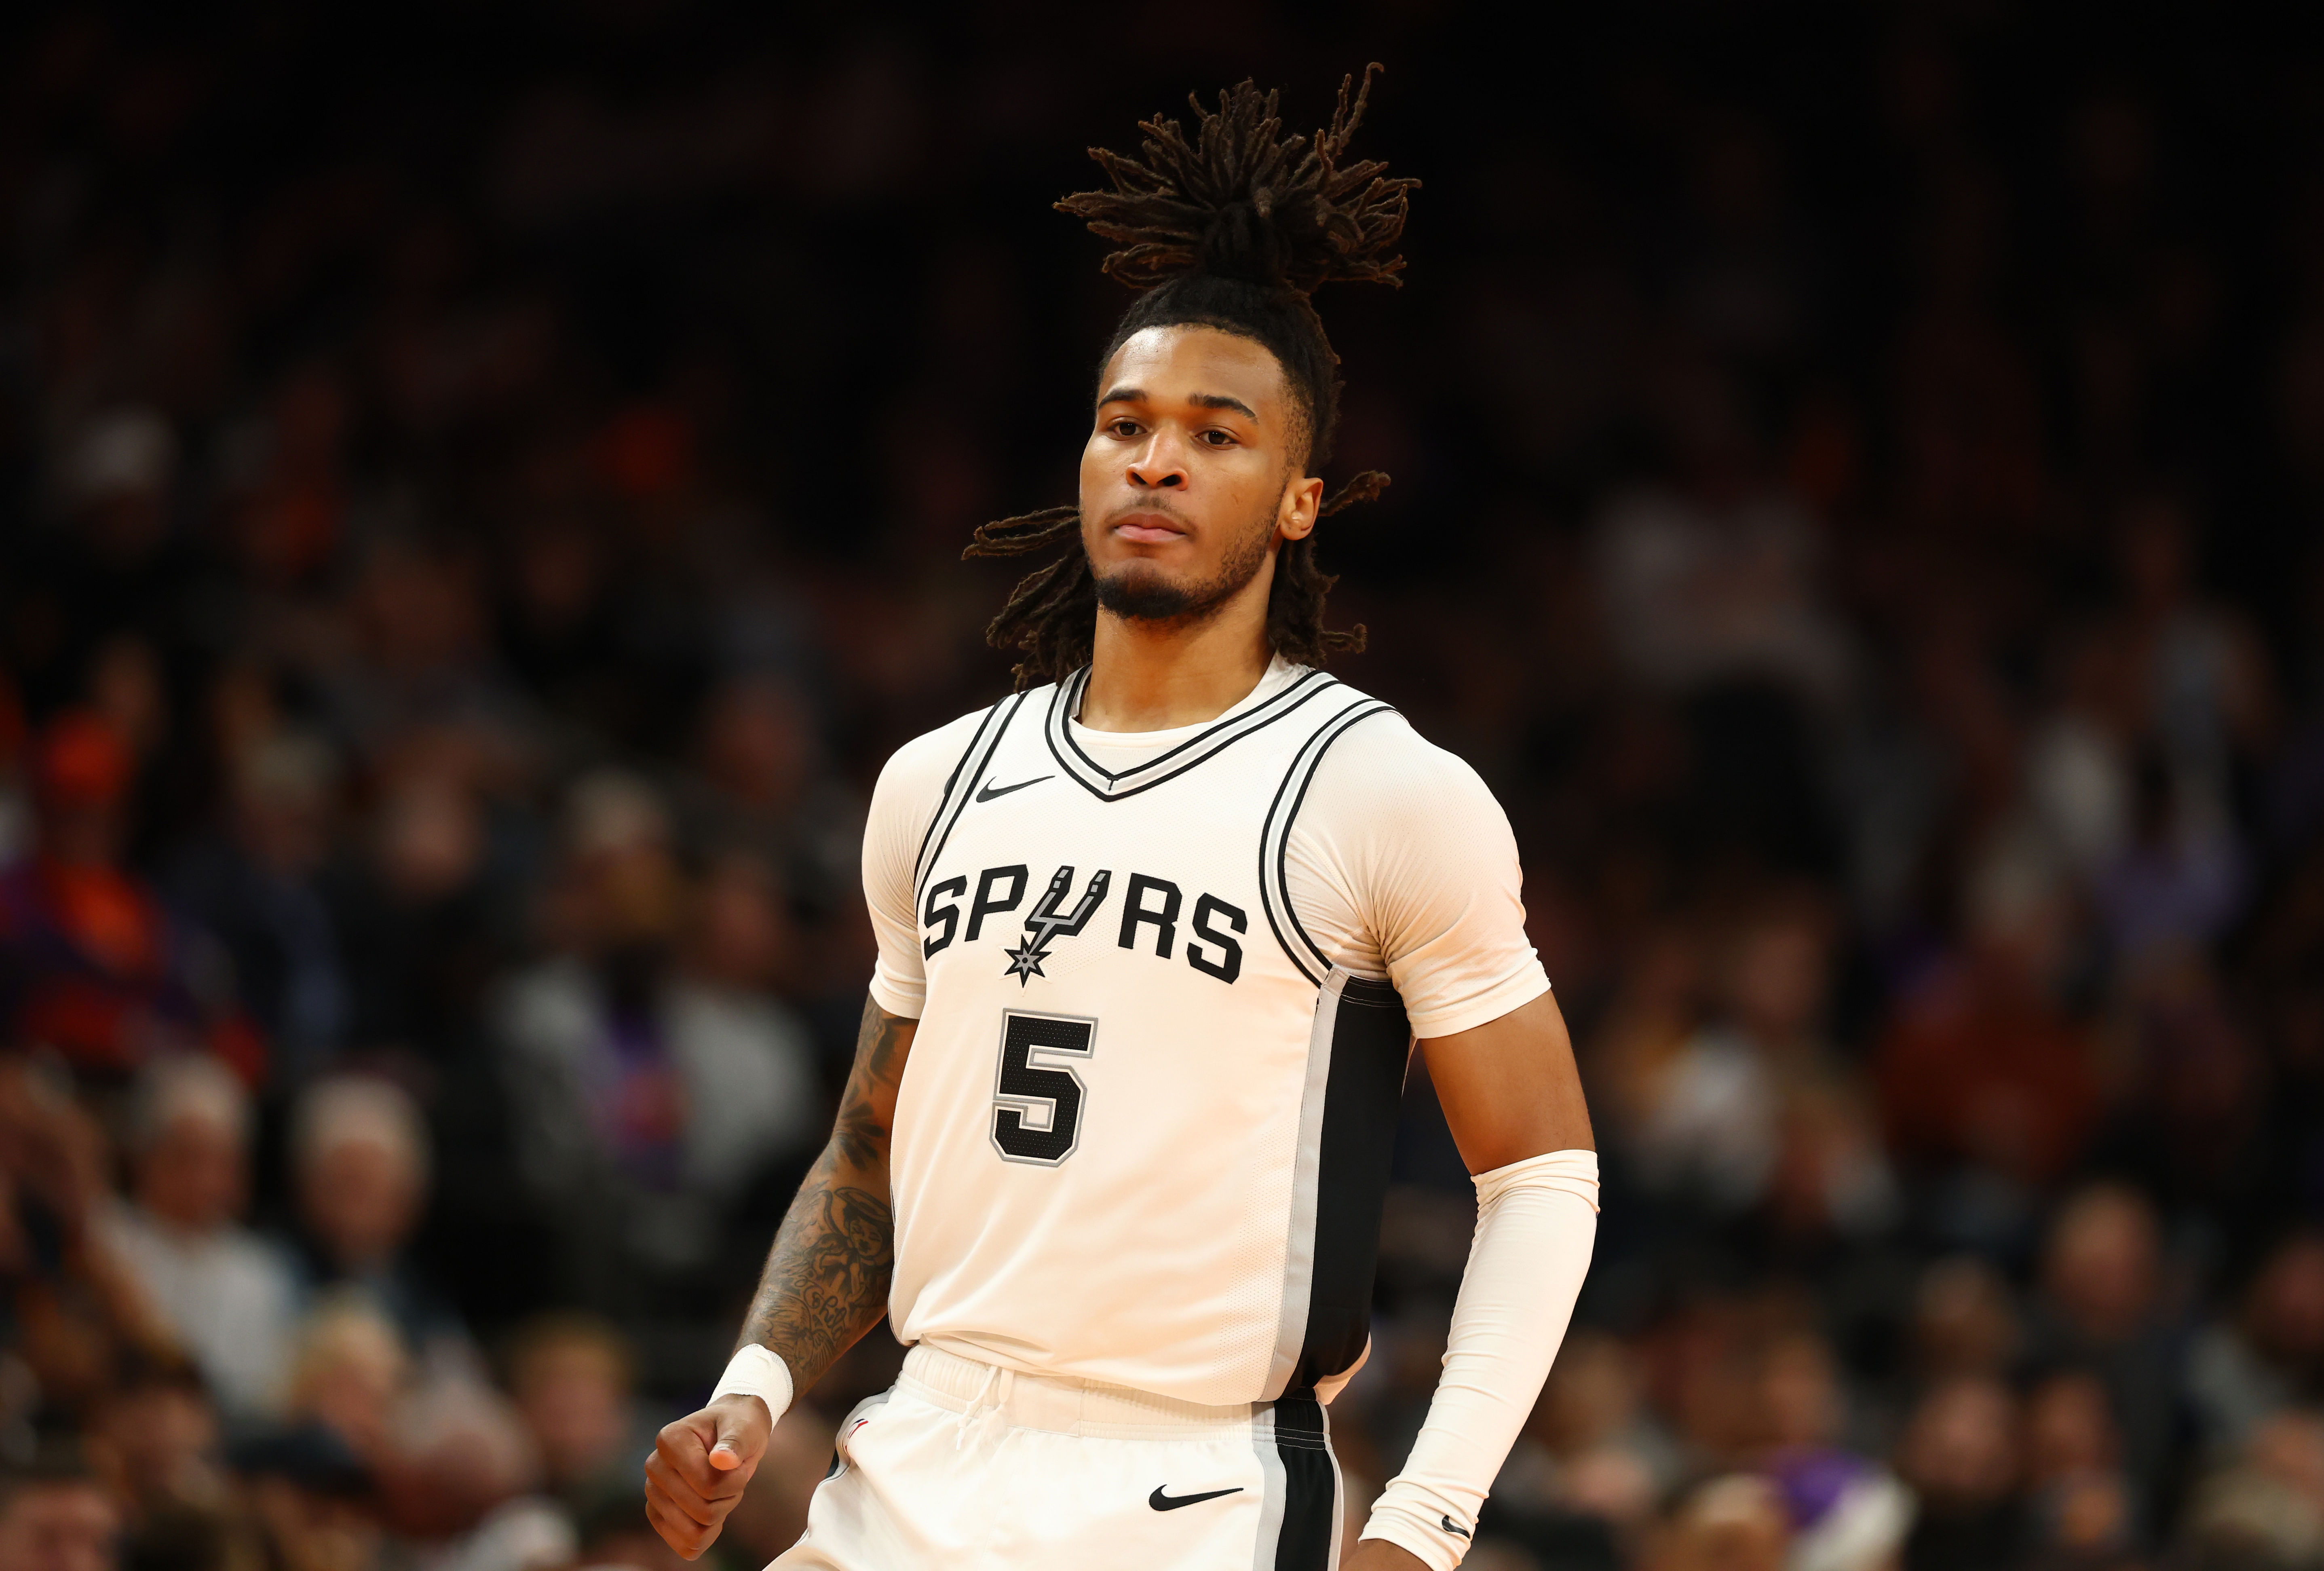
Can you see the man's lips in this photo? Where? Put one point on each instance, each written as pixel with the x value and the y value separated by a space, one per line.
pixel 1148 528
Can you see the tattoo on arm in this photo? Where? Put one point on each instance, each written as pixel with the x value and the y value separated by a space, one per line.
pixel 825 1282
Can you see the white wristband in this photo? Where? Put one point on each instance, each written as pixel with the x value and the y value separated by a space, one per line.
pixel 755 1370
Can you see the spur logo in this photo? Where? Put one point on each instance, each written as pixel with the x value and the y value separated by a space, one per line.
pixel 1152 917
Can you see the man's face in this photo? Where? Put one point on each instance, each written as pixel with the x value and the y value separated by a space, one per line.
pixel 60 1527
pixel 1192 473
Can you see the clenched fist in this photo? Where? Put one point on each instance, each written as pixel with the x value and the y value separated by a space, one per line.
pixel 700 1466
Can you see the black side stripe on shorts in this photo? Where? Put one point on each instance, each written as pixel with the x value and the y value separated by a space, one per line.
pixel 1311 1486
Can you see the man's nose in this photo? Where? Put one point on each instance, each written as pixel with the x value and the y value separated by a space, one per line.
pixel 1159 467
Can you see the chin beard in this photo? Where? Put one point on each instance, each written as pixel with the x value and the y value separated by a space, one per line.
pixel 1140 592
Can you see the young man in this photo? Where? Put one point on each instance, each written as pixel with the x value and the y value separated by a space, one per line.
pixel 1156 940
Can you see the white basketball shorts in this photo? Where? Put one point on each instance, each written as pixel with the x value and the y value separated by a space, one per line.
pixel 967 1468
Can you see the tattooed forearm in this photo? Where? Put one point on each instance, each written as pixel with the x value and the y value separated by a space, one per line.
pixel 827 1278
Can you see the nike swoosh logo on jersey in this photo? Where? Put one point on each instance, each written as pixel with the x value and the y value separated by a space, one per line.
pixel 1170 1502
pixel 1450 1528
pixel 991 791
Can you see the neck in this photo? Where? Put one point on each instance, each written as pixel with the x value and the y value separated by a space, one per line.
pixel 1155 676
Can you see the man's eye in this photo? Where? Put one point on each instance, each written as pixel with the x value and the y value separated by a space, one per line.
pixel 1218 438
pixel 1122 427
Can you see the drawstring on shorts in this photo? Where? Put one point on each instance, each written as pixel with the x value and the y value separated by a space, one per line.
pixel 980 1408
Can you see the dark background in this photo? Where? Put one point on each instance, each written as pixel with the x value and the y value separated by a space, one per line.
pixel 480 496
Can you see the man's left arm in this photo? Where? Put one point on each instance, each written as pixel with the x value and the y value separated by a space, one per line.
pixel 1513 1099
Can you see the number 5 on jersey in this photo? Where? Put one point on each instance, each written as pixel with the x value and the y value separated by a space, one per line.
pixel 1037 1115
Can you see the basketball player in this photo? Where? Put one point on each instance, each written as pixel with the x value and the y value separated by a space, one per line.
pixel 1156 939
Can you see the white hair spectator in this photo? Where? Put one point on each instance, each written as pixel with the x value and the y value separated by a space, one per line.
pixel 187 1085
pixel 358 1110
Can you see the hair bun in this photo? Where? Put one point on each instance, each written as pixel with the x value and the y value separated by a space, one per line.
pixel 1240 200
pixel 1242 241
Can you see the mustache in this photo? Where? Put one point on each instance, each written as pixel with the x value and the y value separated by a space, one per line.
pixel 1163 509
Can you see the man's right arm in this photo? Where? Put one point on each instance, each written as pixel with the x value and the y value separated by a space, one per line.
pixel 824 1285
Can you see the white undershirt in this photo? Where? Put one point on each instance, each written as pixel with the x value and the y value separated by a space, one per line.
pixel 1400 864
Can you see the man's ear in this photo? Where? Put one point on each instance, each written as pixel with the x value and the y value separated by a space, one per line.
pixel 1303 503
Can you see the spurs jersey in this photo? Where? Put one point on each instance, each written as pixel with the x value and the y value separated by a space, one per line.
pixel 1167 985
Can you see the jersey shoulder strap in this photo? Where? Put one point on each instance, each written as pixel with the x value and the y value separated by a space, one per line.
pixel 967 772
pixel 1347 709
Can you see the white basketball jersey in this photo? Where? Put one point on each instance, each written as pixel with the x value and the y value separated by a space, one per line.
pixel 1143 1133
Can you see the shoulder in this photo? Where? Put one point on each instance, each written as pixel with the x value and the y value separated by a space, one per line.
pixel 924 765
pixel 1380 768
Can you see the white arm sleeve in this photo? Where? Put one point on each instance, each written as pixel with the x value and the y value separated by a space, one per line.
pixel 1537 1221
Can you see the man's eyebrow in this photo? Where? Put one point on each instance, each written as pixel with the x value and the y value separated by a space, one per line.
pixel 1220 401
pixel 1199 399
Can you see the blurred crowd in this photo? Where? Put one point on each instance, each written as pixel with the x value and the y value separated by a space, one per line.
pixel 478 503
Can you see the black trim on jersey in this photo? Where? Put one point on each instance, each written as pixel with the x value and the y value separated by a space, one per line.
pixel 958 800
pixel 1372 1042
pixel 1274 841
pixel 921 858
pixel 1310 1485
pixel 1109 786
pixel 1283 847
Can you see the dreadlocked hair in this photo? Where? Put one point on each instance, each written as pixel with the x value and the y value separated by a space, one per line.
pixel 1233 228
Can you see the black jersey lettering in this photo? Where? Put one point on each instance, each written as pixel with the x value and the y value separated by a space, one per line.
pixel 1229 964
pixel 1135 913
pixel 947 913
pixel 987 903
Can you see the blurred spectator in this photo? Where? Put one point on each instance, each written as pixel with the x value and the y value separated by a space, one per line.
pixel 360 1167
pixel 765 786
pixel 1965 1321
pixel 1583 1480
pixel 456 1486
pixel 2178 878
pixel 2085 1509
pixel 1846 1513
pixel 350 1370
pixel 1755 1107
pixel 1733 1523
pixel 648 1098
pixel 1982 1069
pixel 419 909
pixel 256 890
pixel 2101 1309
pixel 155 1439
pixel 1719 585
pixel 2268 1354
pixel 2267 1509
pixel 571 1377
pixel 75 1310
pixel 89 964
pixel 309 1501
pixel 56 1516
pixel 2206 697
pixel 228 1297
pixel 1959 1454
